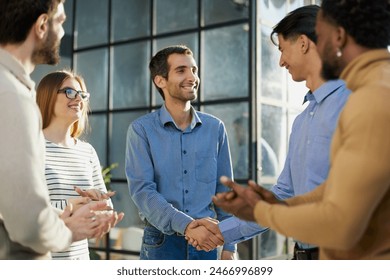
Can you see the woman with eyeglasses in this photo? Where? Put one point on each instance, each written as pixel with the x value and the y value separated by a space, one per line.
pixel 72 166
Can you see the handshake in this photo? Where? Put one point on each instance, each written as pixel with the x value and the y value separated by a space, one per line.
pixel 204 234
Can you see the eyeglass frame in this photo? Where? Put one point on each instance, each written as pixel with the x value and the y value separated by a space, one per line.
pixel 83 94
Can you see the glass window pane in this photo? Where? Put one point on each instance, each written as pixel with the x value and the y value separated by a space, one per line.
pixel 130 75
pixel 235 118
pixel 93 66
pixel 123 203
pixel 120 124
pixel 217 11
pixel 91 27
pixel 190 40
pixel 273 143
pixel 43 69
pixel 294 4
pixel 272 11
pixel 318 2
pixel 273 124
pixel 272 75
pixel 174 15
pixel 270 244
pixel 68 6
pixel 130 19
pixel 225 60
pixel 96 135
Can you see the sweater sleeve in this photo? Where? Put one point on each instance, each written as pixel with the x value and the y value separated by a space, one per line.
pixel 24 203
pixel 357 181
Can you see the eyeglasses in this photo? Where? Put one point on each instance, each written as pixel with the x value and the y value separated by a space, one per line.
pixel 72 93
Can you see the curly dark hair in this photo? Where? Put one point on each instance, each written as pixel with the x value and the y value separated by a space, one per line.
pixel 367 21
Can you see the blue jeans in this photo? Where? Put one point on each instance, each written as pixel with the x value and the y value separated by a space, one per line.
pixel 159 246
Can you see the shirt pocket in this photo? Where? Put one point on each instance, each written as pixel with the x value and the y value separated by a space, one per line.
pixel 319 158
pixel 205 167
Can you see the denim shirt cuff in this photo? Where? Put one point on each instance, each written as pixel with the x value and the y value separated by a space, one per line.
pixel 180 222
pixel 230 247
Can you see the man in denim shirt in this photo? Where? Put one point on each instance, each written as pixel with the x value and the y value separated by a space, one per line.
pixel 174 159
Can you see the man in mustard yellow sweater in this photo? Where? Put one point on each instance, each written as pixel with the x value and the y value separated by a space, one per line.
pixel 348 215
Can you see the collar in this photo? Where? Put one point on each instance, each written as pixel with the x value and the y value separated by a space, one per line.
pixel 323 91
pixel 16 68
pixel 166 118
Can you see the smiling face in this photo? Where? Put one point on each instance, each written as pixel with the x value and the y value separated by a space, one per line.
pixel 68 110
pixel 291 57
pixel 183 81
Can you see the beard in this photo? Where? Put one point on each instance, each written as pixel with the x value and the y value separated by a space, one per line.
pixel 48 52
pixel 176 92
pixel 329 71
pixel 330 64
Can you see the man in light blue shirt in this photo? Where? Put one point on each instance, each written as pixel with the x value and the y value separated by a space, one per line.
pixel 307 162
pixel 174 159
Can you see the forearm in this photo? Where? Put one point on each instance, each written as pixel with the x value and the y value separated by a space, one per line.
pixel 235 230
pixel 31 220
pixel 25 206
pixel 157 210
pixel 312 196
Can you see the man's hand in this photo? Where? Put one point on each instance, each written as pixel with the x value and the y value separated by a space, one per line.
pixel 212 226
pixel 265 194
pixel 91 220
pixel 204 234
pixel 240 202
pixel 94 194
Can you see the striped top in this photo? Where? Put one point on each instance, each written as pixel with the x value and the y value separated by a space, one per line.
pixel 65 168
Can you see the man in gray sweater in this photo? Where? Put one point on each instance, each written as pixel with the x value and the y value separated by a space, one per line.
pixel 30 228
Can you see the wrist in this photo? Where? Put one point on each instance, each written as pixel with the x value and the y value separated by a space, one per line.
pixel 188 226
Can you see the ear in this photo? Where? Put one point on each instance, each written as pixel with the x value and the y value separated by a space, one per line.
pixel 304 42
pixel 341 37
pixel 160 81
pixel 41 26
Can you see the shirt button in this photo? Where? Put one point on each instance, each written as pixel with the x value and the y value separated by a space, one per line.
pixel 186 191
pixel 311 113
pixel 185 171
pixel 184 152
pixel 186 211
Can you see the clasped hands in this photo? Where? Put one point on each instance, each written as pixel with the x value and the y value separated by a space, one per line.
pixel 204 234
pixel 241 201
pixel 89 216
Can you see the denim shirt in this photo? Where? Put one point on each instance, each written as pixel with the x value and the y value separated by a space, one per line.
pixel 172 174
pixel 307 162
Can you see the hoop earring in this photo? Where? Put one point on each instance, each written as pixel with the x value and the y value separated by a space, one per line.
pixel 339 53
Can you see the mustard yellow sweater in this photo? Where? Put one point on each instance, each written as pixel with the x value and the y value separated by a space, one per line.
pixel 348 216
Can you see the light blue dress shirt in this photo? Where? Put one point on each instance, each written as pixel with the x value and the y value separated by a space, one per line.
pixel 172 174
pixel 307 162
